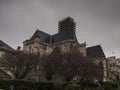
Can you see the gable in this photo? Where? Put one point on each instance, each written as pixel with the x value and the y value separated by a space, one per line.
pixel 44 37
pixel 95 52
pixel 4 46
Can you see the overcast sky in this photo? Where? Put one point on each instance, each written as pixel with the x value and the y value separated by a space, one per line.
pixel 97 21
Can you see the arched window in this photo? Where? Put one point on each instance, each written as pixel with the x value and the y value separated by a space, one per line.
pixel 35 50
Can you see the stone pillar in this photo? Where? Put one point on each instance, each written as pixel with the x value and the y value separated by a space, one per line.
pixel 105 71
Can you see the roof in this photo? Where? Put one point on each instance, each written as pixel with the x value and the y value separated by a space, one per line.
pixel 44 37
pixel 95 52
pixel 64 36
pixel 4 46
pixel 66 31
pixel 51 39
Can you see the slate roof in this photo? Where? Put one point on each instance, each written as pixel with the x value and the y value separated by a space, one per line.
pixel 51 39
pixel 44 37
pixel 64 36
pixel 95 52
pixel 66 31
pixel 4 46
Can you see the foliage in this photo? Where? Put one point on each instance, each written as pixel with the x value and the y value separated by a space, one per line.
pixel 23 85
pixel 73 87
pixel 52 85
pixel 109 85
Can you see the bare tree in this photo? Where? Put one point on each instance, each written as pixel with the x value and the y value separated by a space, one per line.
pixel 76 64
pixel 51 65
pixel 18 63
pixel 68 66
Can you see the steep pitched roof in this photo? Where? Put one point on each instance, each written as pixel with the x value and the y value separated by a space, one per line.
pixel 66 31
pixel 51 39
pixel 95 52
pixel 44 37
pixel 4 46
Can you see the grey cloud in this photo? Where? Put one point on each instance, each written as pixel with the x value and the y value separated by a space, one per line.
pixel 98 21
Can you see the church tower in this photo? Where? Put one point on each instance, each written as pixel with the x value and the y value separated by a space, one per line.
pixel 66 25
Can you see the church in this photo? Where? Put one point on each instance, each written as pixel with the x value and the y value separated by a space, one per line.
pixel 63 41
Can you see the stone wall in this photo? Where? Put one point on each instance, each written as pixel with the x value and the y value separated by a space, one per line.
pixel 103 61
pixel 35 46
pixel 69 45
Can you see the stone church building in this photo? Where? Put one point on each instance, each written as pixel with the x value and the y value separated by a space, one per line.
pixel 64 40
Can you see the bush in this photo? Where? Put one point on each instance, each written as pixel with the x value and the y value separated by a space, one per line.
pixel 88 85
pixel 4 84
pixel 17 84
pixel 48 85
pixel 109 85
pixel 73 87
pixel 23 85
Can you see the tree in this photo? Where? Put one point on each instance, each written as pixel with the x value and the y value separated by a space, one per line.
pixel 18 63
pixel 75 64
pixel 68 66
pixel 51 65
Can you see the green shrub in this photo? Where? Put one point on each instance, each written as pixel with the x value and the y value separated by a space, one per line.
pixel 18 84
pixel 59 84
pixel 90 85
pixel 73 87
pixel 48 85
pixel 4 84
pixel 109 85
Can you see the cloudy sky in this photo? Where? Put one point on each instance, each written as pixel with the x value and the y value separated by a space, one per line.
pixel 97 21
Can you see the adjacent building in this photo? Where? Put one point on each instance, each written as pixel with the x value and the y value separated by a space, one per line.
pixel 97 54
pixel 113 64
pixel 4 48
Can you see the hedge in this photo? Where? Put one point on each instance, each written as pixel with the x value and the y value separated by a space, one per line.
pixel 109 85
pixel 52 85
pixel 73 87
